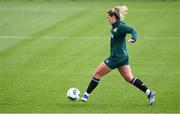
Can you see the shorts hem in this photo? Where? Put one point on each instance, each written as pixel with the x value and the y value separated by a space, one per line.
pixel 108 65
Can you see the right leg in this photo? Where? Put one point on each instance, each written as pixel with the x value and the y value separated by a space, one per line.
pixel 128 76
pixel 126 72
pixel 100 71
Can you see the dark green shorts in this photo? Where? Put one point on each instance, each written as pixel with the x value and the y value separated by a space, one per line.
pixel 115 63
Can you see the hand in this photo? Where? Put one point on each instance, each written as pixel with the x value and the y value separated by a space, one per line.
pixel 130 41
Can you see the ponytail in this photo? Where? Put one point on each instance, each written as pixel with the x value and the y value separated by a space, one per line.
pixel 119 12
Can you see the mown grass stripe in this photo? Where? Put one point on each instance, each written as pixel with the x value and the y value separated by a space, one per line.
pixel 35 37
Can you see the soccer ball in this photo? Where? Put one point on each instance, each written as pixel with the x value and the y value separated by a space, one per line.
pixel 73 94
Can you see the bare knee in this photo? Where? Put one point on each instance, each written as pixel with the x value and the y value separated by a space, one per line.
pixel 97 74
pixel 101 70
pixel 128 79
pixel 126 72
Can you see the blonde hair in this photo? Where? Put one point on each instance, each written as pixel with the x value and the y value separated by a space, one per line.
pixel 119 12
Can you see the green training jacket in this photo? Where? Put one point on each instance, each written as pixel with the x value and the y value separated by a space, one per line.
pixel 119 31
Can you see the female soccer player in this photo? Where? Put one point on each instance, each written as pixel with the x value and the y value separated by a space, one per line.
pixel 118 55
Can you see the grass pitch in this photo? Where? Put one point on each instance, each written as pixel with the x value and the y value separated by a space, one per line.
pixel 48 47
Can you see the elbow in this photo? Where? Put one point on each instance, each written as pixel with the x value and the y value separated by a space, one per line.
pixel 134 35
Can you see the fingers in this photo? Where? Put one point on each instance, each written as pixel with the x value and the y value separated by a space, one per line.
pixel 130 41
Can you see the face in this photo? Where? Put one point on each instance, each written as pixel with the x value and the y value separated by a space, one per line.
pixel 110 19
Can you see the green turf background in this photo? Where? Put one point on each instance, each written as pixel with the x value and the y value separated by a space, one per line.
pixel 47 47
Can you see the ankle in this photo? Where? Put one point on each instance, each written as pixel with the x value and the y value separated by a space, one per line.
pixel 87 94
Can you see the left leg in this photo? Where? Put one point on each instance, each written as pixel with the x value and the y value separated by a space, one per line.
pixel 126 72
pixel 100 71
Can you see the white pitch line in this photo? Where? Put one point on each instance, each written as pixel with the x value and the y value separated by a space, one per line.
pixel 14 37
pixel 83 9
pixel 53 37
pixel 42 10
pixel 161 38
pixel 89 37
pixel 104 113
pixel 155 10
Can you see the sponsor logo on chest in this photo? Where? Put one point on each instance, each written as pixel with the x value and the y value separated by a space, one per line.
pixel 115 29
pixel 112 34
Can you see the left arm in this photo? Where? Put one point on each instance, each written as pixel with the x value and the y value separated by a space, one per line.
pixel 132 31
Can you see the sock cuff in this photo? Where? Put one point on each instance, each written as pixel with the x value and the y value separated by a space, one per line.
pixel 133 80
pixel 86 93
pixel 148 91
pixel 95 80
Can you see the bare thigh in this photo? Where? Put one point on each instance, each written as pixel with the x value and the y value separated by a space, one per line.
pixel 101 70
pixel 126 72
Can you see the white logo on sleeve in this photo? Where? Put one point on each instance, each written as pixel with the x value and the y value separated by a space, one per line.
pixel 112 35
pixel 107 61
pixel 115 29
